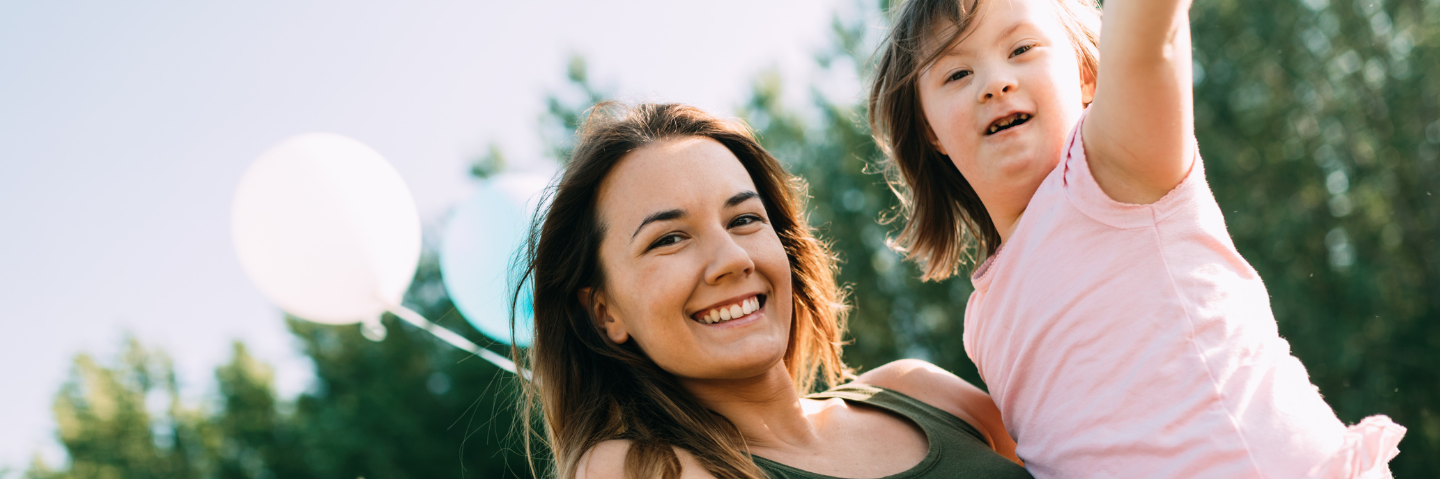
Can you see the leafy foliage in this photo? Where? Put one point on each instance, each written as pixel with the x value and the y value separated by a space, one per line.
pixel 107 424
pixel 407 407
pixel 566 109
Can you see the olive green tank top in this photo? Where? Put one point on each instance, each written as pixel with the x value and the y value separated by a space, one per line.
pixel 957 449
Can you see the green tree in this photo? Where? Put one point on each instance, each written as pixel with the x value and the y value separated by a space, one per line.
pixel 106 422
pixel 408 406
pixel 565 109
pixel 250 437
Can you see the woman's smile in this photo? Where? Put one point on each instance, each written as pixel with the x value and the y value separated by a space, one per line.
pixel 732 313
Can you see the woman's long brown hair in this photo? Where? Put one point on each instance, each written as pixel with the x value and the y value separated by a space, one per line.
pixel 944 218
pixel 590 389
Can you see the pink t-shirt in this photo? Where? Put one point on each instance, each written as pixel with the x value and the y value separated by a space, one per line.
pixel 1131 341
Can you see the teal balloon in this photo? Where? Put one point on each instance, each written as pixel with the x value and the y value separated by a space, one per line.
pixel 479 257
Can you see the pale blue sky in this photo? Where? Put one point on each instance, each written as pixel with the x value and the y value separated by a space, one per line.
pixel 125 126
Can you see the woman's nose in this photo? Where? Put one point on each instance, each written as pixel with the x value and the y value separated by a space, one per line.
pixel 728 260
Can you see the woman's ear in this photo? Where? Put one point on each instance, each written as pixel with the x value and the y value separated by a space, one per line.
pixel 597 305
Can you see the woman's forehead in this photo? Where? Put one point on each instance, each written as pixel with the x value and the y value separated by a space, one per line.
pixel 685 173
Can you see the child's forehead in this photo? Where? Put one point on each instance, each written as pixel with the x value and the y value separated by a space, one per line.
pixel 988 18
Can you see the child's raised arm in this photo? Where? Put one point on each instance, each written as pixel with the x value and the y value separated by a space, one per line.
pixel 1139 136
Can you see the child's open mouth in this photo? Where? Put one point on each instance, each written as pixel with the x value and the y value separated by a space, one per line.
pixel 1007 123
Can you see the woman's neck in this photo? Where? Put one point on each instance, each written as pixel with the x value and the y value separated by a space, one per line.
pixel 766 408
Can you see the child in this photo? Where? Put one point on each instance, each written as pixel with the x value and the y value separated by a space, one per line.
pixel 1118 329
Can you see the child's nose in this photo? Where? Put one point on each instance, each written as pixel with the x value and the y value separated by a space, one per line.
pixel 998 87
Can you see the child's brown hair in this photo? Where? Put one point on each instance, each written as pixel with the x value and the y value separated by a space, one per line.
pixel 943 215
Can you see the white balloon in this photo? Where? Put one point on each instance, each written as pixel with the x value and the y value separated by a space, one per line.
pixel 327 229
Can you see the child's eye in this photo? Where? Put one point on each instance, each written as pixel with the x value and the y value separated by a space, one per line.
pixel 957 75
pixel 747 219
pixel 1022 49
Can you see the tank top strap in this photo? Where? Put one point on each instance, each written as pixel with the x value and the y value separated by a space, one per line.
pixel 956 448
pixel 926 416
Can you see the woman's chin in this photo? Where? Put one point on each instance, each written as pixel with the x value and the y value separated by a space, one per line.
pixel 749 357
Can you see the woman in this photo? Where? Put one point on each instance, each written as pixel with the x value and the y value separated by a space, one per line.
pixel 682 307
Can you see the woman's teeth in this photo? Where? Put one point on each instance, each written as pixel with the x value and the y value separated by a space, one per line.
pixel 726 313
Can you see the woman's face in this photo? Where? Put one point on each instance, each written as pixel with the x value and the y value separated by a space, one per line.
pixel 694 272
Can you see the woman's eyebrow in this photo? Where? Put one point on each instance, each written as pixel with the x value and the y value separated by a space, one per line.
pixel 660 216
pixel 740 198
pixel 667 215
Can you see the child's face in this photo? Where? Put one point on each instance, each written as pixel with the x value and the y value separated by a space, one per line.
pixel 686 235
pixel 1001 101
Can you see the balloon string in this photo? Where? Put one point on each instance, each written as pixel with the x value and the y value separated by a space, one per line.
pixel 456 340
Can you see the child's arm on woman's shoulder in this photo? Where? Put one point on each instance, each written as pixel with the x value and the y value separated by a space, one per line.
pixel 1139 135
pixel 942 389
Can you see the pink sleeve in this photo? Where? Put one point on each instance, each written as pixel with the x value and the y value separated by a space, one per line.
pixel 1082 190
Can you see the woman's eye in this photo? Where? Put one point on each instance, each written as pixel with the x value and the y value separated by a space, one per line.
pixel 666 240
pixel 745 220
pixel 957 75
pixel 1020 50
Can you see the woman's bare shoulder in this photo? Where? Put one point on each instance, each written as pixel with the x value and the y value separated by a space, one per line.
pixel 607 461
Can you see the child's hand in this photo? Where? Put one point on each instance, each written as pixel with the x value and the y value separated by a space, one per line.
pixel 1139 135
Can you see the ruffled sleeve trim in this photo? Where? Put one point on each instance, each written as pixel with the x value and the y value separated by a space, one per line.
pixel 1368 448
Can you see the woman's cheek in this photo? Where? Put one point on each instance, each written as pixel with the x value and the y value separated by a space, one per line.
pixel 768 250
pixel 653 289
pixel 777 267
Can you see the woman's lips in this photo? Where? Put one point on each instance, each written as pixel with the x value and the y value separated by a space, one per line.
pixel 731 311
